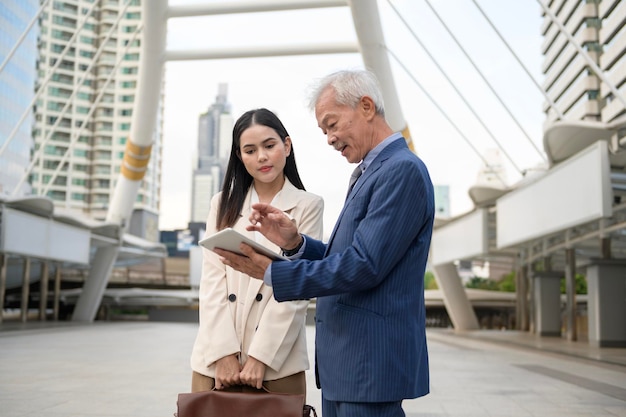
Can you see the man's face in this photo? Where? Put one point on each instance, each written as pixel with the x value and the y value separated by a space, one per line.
pixel 346 129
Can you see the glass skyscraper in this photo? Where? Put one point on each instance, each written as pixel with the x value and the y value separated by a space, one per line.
pixel 214 142
pixel 17 84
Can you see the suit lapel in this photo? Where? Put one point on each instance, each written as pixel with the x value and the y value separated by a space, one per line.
pixel 374 166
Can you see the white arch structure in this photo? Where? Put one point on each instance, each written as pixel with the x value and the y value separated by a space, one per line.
pixel 371 44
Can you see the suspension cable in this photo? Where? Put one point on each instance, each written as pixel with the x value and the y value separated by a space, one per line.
pixel 47 79
pixel 453 85
pixel 92 109
pixel 434 102
pixel 519 61
pixel 68 102
pixel 486 81
pixel 23 35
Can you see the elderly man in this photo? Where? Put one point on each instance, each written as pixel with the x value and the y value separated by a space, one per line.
pixel 371 349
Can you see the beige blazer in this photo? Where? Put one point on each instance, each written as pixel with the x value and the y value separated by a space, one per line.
pixel 239 314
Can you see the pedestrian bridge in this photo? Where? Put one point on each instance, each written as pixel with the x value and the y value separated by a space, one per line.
pixel 568 217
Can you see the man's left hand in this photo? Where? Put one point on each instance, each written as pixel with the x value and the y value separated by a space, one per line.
pixel 251 263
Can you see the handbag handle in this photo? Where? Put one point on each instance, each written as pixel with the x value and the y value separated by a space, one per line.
pixel 252 389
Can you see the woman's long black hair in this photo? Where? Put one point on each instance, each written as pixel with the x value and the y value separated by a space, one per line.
pixel 237 180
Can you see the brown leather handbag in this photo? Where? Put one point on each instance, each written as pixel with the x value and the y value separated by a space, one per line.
pixel 254 403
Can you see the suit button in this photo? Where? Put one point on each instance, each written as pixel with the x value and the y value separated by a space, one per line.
pixel 232 298
pixel 259 297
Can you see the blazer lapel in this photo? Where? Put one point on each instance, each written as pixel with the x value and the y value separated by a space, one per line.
pixel 285 202
pixel 254 285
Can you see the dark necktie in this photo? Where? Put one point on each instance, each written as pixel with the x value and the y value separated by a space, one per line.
pixel 355 176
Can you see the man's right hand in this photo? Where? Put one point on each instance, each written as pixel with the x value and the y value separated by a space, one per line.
pixel 275 225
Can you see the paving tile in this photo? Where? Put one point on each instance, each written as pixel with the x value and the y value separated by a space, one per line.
pixel 138 368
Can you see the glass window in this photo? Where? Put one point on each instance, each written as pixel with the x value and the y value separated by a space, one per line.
pixel 87 40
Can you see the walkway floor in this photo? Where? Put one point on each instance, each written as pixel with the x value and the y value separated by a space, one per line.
pixel 109 369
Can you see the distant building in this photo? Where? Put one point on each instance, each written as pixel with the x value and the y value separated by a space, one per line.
pixel 197 230
pixel 83 117
pixel 492 174
pixel 180 242
pixel 17 83
pixel 214 143
pixel 442 201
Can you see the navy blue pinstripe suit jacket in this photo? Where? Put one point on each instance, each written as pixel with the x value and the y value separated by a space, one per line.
pixel 369 280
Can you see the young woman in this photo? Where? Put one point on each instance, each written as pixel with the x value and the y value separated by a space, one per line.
pixel 245 336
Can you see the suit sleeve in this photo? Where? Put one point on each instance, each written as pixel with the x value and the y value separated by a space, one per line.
pixel 281 323
pixel 216 322
pixel 385 217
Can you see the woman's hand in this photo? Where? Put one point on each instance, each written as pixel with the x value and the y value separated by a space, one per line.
pixel 252 373
pixel 227 371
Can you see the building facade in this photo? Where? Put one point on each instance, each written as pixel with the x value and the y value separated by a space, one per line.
pixel 90 51
pixel 599 26
pixel 214 143
pixel 17 81
pixel 612 38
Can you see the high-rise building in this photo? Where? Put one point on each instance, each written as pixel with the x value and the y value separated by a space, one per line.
pixel 613 58
pixel 83 117
pixel 214 142
pixel 599 27
pixel 17 81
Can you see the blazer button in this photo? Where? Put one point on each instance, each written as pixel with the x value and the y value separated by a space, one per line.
pixel 232 298
pixel 259 297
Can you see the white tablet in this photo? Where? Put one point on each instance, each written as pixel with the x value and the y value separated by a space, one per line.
pixel 229 239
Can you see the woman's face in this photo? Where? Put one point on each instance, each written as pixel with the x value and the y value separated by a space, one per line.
pixel 264 154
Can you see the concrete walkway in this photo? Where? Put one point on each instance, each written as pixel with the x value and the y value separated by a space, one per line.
pixel 108 369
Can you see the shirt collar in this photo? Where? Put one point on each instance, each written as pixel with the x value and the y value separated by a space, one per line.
pixel 371 155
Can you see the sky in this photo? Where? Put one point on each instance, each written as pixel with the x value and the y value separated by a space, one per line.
pixel 281 84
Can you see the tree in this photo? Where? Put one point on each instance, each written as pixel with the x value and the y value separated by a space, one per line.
pixel 430 283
